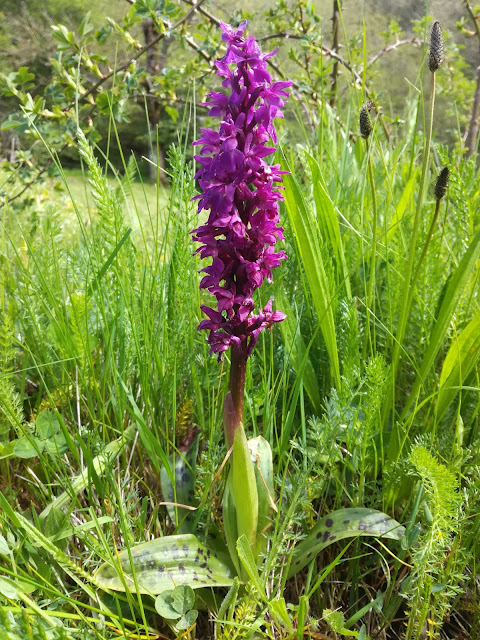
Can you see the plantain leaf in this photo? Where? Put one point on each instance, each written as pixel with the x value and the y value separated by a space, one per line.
pixel 99 464
pixel 344 523
pixel 165 563
pixel 248 561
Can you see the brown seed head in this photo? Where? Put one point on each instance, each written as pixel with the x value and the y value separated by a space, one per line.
pixel 441 185
pixel 365 122
pixel 435 58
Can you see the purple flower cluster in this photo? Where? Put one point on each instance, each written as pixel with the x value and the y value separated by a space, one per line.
pixel 239 191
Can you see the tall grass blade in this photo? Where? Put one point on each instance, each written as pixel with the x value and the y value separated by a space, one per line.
pixel 308 242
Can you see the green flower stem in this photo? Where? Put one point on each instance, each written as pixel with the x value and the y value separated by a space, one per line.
pixel 427 243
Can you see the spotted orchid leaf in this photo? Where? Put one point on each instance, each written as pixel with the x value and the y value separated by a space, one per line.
pixel 165 563
pixel 344 523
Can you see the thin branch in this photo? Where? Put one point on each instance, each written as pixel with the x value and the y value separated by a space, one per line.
pixel 142 50
pixel 84 96
pixel 392 47
pixel 474 18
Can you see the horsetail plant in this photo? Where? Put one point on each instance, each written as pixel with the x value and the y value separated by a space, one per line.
pixel 241 191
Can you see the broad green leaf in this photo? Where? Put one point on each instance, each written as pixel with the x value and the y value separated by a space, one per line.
pixel 309 242
pixel 184 465
pixel 57 444
pixel 47 424
pixel 4 548
pixel 10 124
pixel 243 487
pixel 278 609
pixel 174 603
pixel 164 563
pixel 459 362
pixel 56 524
pixel 8 589
pixel 187 620
pixel 28 447
pixel 453 292
pixel 344 523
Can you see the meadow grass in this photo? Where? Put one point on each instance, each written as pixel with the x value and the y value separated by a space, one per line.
pixel 367 393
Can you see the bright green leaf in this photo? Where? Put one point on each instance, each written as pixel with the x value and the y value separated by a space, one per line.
pixel 28 447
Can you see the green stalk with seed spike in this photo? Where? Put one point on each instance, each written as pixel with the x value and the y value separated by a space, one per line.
pixel 435 60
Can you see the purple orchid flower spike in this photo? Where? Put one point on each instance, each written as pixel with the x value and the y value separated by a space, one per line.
pixel 241 191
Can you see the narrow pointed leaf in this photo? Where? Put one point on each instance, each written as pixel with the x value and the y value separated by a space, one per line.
pixel 462 356
pixel 344 523
pixel 261 455
pixel 184 465
pixel 296 348
pixel 165 563
pixel 309 243
pixel 248 561
pixel 328 222
pixel 453 292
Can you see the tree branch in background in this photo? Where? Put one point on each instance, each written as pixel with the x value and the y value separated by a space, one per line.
pixel 335 45
pixel 472 132
pixel 392 47
pixel 84 96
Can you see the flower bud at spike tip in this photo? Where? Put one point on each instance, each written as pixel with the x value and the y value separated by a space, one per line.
pixel 241 191
pixel 365 122
pixel 435 57
pixel 441 185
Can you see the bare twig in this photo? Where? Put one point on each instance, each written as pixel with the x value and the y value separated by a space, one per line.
pixel 472 132
pixel 142 50
pixel 392 47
